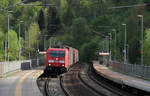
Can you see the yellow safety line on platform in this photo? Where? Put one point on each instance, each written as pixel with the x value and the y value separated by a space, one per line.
pixel 18 91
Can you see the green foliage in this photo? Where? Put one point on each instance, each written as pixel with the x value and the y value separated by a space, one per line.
pixel 63 3
pixel 101 24
pixel 2 46
pixel 85 9
pixel 4 3
pixel 68 17
pixel 41 20
pixel 77 23
pixel 54 25
pixel 31 13
pixel 133 34
pixel 13 45
pixel 88 51
pixel 147 48
pixel 33 35
pixel 78 34
pixel 62 6
pixel 80 31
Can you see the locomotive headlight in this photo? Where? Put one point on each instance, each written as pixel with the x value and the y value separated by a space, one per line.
pixel 63 65
pixel 61 61
pixel 51 61
pixel 49 64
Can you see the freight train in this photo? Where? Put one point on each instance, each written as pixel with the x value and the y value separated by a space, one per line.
pixel 58 60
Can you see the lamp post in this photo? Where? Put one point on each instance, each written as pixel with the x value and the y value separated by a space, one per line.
pixel 19 38
pixel 107 43
pixel 125 42
pixel 103 45
pixel 107 48
pixel 29 45
pixel 110 37
pixel 5 50
pixel 127 53
pixel 141 16
pixel 25 34
pixel 44 43
pixel 115 43
pixel 8 34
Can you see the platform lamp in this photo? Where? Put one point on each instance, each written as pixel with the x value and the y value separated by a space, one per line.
pixel 19 37
pixel 125 43
pixel 114 30
pixel 8 32
pixel 141 16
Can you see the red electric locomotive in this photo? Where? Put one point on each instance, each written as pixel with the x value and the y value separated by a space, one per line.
pixel 59 60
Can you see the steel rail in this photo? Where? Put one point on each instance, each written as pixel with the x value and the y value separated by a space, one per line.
pixel 86 83
pixel 106 85
pixel 62 86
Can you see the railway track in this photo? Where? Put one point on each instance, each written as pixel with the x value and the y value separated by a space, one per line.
pixel 49 85
pixel 73 86
pixel 115 88
pixel 81 81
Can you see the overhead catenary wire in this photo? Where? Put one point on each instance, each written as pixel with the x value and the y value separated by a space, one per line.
pixel 129 6
pixel 98 33
pixel 22 4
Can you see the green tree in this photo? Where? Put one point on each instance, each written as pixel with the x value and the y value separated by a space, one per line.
pixel 13 43
pixel 147 48
pixel 88 51
pixel 68 17
pixel 4 3
pixel 101 24
pixel 85 10
pixel 41 20
pixel 2 52
pixel 80 32
pixel 32 37
pixel 54 23
pixel 34 33
pixel 134 34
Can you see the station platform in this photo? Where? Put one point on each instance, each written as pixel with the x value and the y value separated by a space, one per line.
pixel 22 83
pixel 121 78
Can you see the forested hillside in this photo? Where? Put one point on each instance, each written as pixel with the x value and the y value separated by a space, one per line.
pixel 83 24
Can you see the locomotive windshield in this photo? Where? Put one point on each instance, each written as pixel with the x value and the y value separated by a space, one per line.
pixel 57 53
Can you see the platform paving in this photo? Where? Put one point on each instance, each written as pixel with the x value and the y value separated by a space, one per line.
pixel 22 83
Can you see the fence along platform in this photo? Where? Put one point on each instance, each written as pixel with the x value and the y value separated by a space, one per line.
pixel 12 66
pixel 121 78
pixel 132 69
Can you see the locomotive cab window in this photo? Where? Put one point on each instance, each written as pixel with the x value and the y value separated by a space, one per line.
pixel 57 53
